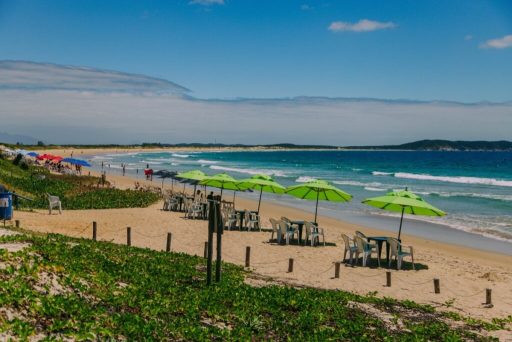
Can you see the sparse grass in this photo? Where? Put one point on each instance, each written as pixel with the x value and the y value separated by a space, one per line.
pixel 75 192
pixel 108 291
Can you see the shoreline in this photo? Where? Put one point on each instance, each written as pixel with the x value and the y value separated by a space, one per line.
pixel 443 231
pixel 473 239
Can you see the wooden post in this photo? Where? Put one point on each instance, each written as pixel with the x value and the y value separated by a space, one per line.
pixel 337 270
pixel 94 230
pixel 248 256
pixel 290 265
pixel 206 249
pixel 17 223
pixel 388 278
pixel 437 287
pixel 488 296
pixel 217 220
pixel 128 236
pixel 169 238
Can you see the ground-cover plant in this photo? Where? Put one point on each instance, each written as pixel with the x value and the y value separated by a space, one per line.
pixel 75 192
pixel 63 287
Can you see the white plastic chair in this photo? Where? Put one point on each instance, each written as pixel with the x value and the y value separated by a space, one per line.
pixel 351 248
pixel 363 236
pixel 252 220
pixel 287 231
pixel 313 232
pixel 54 202
pixel 195 210
pixel 366 249
pixel 275 229
pixel 173 204
pixel 232 218
pixel 396 249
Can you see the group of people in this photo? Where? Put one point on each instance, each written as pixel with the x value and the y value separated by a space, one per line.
pixel 60 167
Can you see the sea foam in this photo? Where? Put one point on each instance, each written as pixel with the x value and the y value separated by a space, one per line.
pixel 456 179
pixel 206 161
pixel 177 155
pixel 276 173
pixel 305 179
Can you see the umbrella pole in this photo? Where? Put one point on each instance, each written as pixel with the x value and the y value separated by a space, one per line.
pixel 195 186
pixel 316 209
pixel 172 185
pixel 221 194
pixel 259 202
pixel 162 184
pixel 183 187
pixel 234 194
pixel 401 220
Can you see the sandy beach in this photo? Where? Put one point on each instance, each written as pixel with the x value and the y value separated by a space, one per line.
pixel 464 273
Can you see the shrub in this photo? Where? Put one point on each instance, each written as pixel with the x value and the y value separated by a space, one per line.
pixel 75 192
pixel 17 159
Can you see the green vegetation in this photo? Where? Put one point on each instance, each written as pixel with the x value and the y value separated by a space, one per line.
pixel 61 287
pixel 421 145
pixel 75 192
pixel 445 145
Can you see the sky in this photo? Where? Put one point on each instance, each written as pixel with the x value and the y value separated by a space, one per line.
pixel 244 59
pixel 431 50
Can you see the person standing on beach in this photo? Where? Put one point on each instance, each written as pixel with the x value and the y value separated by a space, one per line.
pixel 124 168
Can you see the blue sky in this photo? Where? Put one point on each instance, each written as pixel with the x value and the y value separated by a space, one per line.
pixel 424 50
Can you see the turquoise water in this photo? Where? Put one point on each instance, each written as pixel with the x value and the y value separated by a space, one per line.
pixel 474 188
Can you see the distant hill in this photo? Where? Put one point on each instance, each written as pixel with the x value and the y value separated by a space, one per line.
pixel 17 138
pixel 444 145
pixel 421 145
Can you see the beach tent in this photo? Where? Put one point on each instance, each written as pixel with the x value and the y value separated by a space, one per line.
pixel 22 152
pixel 404 202
pixel 33 154
pixel 262 183
pixel 318 190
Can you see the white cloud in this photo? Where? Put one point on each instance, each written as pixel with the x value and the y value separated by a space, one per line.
pixel 57 115
pixel 39 76
pixel 498 43
pixel 468 37
pixel 206 2
pixel 306 7
pixel 363 25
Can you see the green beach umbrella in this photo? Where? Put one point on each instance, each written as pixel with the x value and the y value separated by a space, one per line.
pixel 318 190
pixel 262 183
pixel 404 202
pixel 222 181
pixel 194 175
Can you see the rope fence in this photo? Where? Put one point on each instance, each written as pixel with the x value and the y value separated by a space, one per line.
pixel 291 264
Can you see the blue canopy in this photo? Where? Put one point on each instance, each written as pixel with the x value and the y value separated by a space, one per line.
pixel 76 162
pixel 33 154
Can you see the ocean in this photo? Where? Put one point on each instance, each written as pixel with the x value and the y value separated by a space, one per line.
pixel 474 188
